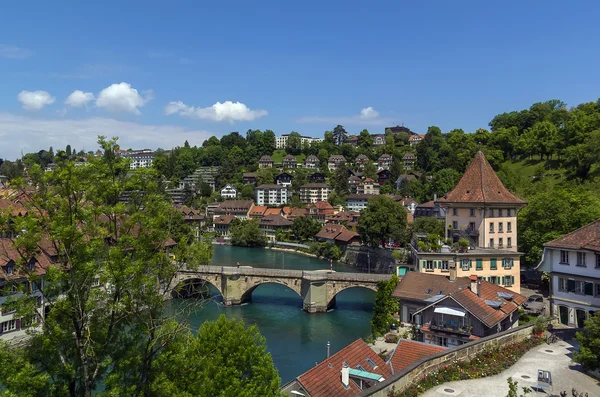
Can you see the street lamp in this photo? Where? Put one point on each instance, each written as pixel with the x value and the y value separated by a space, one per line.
pixel 369 260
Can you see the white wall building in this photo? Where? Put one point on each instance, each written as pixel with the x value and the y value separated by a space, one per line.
pixel 281 141
pixel 313 192
pixel 229 192
pixel 357 202
pixel 271 194
pixel 139 158
pixel 573 262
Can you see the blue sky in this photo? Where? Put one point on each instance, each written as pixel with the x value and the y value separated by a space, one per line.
pixel 158 73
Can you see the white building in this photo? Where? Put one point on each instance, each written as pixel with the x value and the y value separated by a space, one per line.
pixel 281 141
pixel 229 192
pixel 271 194
pixel 357 202
pixel 573 262
pixel 139 158
pixel 313 192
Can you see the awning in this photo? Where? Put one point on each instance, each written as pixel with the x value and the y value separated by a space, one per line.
pixel 449 310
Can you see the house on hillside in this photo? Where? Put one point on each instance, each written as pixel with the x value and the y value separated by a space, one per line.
pixel 271 194
pixel 289 161
pixel 357 202
pixel 229 192
pixel 346 218
pixel 351 140
pixel 415 139
pixel 338 234
pixel 265 162
pixel 335 160
pixel 222 223
pixel 350 371
pixel 383 176
pixel 313 192
pixel 249 178
pixel 378 139
pixel 237 208
pixel 317 177
pixel 319 210
pixel 361 160
pixel 271 223
pixel 384 162
pixel 353 182
pixel 192 217
pixel 451 311
pixel 284 179
pixel 368 186
pixel 312 162
pixel 573 262
pixel 409 160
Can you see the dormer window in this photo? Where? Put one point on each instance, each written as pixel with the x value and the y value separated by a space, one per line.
pixel 10 268
pixel 31 265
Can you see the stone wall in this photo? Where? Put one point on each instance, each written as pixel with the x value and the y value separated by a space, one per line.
pixel 380 259
pixel 419 369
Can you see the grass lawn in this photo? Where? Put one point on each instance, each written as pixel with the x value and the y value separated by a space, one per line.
pixel 278 156
pixel 528 168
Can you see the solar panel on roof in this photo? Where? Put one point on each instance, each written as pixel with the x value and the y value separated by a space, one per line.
pixel 505 295
pixel 371 363
pixel 493 304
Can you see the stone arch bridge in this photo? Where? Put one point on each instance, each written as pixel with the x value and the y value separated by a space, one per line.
pixel 317 289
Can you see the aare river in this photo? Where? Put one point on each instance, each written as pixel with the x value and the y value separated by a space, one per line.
pixel 296 340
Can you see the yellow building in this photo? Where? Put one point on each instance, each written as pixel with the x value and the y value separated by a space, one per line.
pixel 480 211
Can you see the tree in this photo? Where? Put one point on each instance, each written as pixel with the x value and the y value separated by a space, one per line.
pixel 365 140
pixel 247 192
pixel 224 359
pixel 246 233
pixel 383 219
pixel 340 180
pixel 384 307
pixel 305 228
pixel 443 181
pixel 112 332
pixel 429 225
pixel 339 135
pixel 589 346
pixel 513 388
pixel 68 151
pixel 294 143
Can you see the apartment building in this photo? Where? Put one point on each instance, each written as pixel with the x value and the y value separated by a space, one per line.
pixel 271 194
pixel 281 141
pixel 313 192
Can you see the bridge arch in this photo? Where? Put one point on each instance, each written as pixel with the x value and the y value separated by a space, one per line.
pixel 335 291
pixel 293 285
pixel 183 280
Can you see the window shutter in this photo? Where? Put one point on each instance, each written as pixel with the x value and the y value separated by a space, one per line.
pixel 503 280
pixel 512 280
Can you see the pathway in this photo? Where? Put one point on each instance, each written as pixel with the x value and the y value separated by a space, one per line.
pixel 555 358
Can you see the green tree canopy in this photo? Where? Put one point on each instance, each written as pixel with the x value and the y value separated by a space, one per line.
pixel 384 307
pixel 383 219
pixel 305 228
pixel 246 233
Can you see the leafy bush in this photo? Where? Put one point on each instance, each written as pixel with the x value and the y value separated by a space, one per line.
pixel 391 338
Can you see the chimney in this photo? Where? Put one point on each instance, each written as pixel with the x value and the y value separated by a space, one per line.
pixel 328 349
pixel 452 270
pixel 345 375
pixel 474 285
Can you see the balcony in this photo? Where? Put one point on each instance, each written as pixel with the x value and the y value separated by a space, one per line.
pixel 450 327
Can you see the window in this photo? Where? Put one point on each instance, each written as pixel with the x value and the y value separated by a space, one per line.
pixel 491 213
pixel 588 289
pixel 508 281
pixel 9 325
pixel 10 269
pixel 491 227
pixel 500 227
pixel 465 264
pixel 371 363
pixel 429 265
pixel 578 287
pixel 444 265
pixel 491 243
pixel 570 285
pixel 472 212
pixel 597 261
pixel 562 284
pixel 441 341
pixel 509 212
pixel 454 211
pixel 597 289
pixel 564 257
pixel 507 263
pixel 500 243
pixel 31 265
pixel 471 226
pixel 493 264
pixel 509 242
pixel 455 225
pixel 478 264
pixel 581 259
pixel 500 212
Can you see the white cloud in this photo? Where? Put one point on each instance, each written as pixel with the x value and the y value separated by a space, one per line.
pixel 32 134
pixel 226 111
pixel 14 52
pixel 369 113
pixel 79 99
pixel 367 116
pixel 35 100
pixel 122 98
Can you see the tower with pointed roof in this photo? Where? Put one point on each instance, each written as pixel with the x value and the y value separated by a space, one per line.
pixel 483 212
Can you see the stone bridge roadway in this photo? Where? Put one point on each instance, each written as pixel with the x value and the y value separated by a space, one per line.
pixel 317 289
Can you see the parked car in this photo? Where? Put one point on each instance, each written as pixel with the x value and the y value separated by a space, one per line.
pixel 535 304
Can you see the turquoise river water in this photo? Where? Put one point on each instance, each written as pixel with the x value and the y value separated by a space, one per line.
pixel 295 339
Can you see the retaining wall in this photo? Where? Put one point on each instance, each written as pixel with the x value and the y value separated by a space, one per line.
pixel 402 379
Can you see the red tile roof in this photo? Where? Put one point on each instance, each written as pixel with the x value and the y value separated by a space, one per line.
pixel 272 211
pixel 480 184
pixel 347 235
pixel 258 210
pixel 330 231
pixel 223 219
pixel 324 380
pixel 586 237
pixel 296 212
pixel 15 209
pixel 407 352
pixel 9 253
